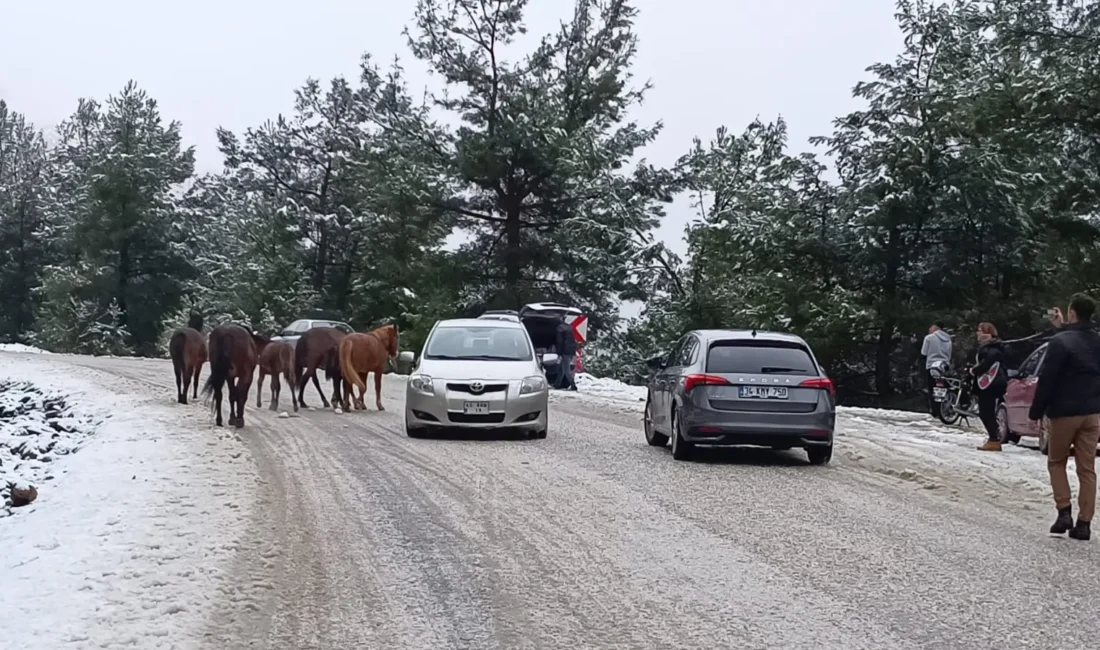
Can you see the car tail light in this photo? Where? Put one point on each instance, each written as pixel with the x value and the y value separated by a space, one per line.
pixel 691 381
pixel 824 383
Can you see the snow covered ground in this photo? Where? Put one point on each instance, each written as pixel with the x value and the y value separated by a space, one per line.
pixel 912 447
pixel 134 531
pixel 19 347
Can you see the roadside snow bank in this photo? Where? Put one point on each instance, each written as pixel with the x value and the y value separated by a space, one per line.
pixel 19 347
pixel 609 388
pixel 36 428
pixel 130 543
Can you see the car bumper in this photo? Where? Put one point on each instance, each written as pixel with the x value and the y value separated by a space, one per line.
pixel 507 409
pixel 713 427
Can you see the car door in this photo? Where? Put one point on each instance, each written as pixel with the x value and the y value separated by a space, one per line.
pixel 660 391
pixel 1021 391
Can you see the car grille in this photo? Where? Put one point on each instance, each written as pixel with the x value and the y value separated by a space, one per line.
pixel 462 418
pixel 489 388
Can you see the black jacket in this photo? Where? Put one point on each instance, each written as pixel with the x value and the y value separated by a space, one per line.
pixel 566 345
pixel 989 353
pixel 1069 381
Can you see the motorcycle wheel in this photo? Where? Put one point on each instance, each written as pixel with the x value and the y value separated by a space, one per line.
pixel 946 412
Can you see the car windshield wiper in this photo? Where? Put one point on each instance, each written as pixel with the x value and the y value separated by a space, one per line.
pixel 471 357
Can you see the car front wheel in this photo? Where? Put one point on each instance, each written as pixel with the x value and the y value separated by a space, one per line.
pixel 651 436
pixel 414 432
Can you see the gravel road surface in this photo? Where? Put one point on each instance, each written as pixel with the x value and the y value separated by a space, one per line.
pixel 590 539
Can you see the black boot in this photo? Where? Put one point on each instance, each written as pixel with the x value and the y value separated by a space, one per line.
pixel 1082 531
pixel 1064 521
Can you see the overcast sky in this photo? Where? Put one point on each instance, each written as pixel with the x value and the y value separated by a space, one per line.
pixel 235 63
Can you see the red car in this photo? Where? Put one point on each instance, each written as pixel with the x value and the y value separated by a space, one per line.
pixel 1012 420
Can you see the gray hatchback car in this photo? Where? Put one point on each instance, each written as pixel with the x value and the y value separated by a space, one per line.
pixel 740 387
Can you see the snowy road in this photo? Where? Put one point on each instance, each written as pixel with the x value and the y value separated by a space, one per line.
pixel 590 539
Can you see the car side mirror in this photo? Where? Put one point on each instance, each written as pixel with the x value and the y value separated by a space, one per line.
pixel 1013 374
pixel 549 358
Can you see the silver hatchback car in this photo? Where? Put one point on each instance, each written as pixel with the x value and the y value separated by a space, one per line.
pixel 477 373
pixel 740 387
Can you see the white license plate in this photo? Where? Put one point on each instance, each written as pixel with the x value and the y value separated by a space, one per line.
pixel 475 408
pixel 939 393
pixel 762 392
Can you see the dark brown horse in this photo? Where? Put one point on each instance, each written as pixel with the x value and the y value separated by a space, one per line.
pixel 362 354
pixel 318 348
pixel 233 354
pixel 187 347
pixel 277 358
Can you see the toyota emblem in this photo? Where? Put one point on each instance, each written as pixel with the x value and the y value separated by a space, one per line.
pixel 476 387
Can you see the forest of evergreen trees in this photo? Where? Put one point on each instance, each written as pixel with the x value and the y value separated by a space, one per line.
pixel 966 188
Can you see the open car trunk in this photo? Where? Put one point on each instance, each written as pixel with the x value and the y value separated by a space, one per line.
pixel 542 328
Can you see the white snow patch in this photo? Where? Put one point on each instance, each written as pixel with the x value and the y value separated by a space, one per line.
pixel 20 348
pixel 593 386
pixel 130 543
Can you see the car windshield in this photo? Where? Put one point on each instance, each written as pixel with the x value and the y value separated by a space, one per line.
pixel 479 344
pixel 759 359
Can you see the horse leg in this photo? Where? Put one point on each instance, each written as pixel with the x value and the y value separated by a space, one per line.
pixel 276 387
pixel 243 385
pixel 234 400
pixel 183 376
pixel 198 369
pixel 317 385
pixel 218 406
pixel 378 389
pixel 180 397
pixel 260 388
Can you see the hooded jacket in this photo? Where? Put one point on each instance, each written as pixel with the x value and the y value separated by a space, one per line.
pixel 936 349
pixel 989 353
pixel 1069 381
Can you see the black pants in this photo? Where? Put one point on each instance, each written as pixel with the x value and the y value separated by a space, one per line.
pixel 987 411
pixel 930 383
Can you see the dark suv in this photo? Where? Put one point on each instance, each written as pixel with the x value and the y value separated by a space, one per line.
pixel 739 387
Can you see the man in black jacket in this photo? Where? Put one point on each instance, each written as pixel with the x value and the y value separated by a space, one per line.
pixel 1068 393
pixel 567 350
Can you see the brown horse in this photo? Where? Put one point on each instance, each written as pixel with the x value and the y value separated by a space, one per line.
pixel 318 348
pixel 277 358
pixel 233 354
pixel 187 347
pixel 362 354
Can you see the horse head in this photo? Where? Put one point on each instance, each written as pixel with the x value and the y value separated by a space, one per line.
pixel 195 322
pixel 388 333
pixel 260 340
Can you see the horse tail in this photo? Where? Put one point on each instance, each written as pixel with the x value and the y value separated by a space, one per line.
pixel 176 346
pixel 290 371
pixel 346 369
pixel 221 362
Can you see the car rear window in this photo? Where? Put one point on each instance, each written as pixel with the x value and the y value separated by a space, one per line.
pixel 759 358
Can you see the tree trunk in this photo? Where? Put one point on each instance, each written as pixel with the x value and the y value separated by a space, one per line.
pixel 513 258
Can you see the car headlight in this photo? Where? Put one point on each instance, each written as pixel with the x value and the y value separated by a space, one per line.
pixel 533 384
pixel 422 384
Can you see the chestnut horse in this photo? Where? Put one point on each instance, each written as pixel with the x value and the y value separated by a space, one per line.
pixel 277 358
pixel 187 347
pixel 233 354
pixel 317 348
pixel 362 354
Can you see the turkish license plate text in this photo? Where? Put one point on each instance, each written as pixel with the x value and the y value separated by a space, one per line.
pixel 939 394
pixel 475 408
pixel 763 392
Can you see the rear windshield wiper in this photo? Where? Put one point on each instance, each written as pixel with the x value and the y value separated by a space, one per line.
pixel 767 370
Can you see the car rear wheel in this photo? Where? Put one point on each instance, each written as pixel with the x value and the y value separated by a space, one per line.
pixel 820 455
pixel 681 449
pixel 651 436
pixel 1004 434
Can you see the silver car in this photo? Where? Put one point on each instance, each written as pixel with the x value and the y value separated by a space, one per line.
pixel 295 330
pixel 477 373
pixel 734 387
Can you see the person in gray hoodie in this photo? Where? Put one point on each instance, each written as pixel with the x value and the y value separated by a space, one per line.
pixel 936 349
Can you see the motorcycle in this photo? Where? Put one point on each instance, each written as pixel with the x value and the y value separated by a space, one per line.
pixel 952 396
